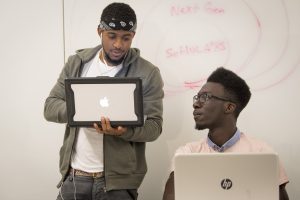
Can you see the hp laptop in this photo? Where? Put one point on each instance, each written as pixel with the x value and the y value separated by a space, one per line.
pixel 119 99
pixel 226 176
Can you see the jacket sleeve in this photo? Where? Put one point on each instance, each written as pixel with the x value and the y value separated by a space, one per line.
pixel 55 105
pixel 153 110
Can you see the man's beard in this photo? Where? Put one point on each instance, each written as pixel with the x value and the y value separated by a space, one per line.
pixel 113 62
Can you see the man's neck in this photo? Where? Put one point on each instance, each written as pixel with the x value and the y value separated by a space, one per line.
pixel 220 136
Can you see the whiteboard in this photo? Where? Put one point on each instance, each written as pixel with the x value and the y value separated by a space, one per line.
pixel 187 40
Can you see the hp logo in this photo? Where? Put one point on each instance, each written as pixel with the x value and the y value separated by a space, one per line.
pixel 226 184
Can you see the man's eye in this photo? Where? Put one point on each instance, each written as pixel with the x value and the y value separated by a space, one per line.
pixel 126 39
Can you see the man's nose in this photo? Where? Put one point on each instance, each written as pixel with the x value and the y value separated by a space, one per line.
pixel 118 43
pixel 197 104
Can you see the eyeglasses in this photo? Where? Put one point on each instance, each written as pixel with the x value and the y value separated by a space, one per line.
pixel 204 97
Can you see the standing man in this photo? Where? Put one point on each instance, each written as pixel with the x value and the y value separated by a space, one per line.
pixel 107 162
pixel 216 108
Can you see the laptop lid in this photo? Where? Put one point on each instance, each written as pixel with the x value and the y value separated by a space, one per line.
pixel 226 176
pixel 119 99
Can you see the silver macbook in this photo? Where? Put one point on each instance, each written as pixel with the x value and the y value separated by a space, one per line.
pixel 226 176
pixel 120 99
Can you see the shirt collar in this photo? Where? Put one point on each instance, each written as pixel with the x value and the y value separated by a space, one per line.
pixel 227 144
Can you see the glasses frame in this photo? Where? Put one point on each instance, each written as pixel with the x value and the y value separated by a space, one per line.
pixel 206 97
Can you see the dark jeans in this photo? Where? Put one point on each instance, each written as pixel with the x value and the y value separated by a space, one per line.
pixel 88 188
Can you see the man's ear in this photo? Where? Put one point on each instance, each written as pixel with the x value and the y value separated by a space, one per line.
pixel 100 31
pixel 230 107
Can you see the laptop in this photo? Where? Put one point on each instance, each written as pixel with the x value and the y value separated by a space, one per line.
pixel 119 99
pixel 226 176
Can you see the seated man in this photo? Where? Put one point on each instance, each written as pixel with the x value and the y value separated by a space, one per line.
pixel 216 108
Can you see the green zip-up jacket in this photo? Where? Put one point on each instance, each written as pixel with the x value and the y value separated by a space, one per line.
pixel 124 156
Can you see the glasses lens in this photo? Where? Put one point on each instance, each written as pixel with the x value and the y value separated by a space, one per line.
pixel 203 97
pixel 195 98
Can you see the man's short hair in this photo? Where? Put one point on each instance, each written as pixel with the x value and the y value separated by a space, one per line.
pixel 234 86
pixel 118 16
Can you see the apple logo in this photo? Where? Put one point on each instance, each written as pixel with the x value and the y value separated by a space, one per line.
pixel 104 102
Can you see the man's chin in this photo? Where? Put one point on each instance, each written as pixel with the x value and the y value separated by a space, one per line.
pixel 199 127
pixel 116 62
pixel 113 61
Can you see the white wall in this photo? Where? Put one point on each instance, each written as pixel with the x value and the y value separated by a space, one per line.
pixel 31 54
pixel 258 39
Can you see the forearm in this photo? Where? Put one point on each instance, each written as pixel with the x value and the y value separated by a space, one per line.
pixel 169 193
pixel 55 110
pixel 149 132
pixel 283 195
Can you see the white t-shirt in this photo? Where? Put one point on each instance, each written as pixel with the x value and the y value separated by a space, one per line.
pixel 88 151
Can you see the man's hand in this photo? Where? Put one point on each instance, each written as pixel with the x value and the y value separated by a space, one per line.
pixel 106 128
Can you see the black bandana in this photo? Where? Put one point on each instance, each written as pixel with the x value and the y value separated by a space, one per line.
pixel 114 24
pixel 118 16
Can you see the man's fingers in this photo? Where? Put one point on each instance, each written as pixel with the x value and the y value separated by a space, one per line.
pixel 99 129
